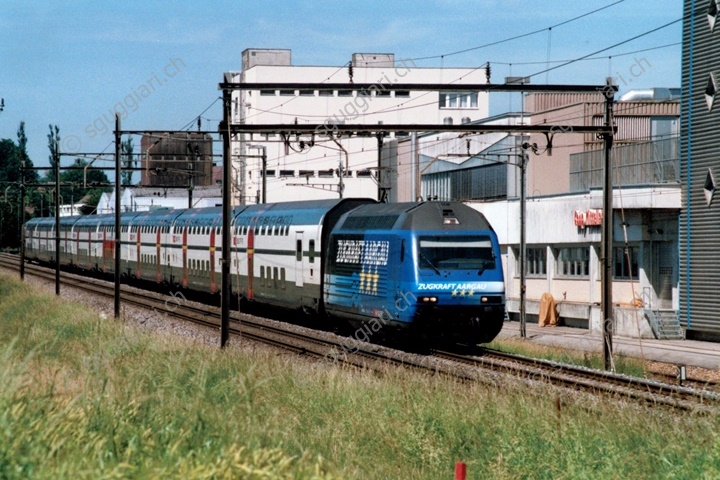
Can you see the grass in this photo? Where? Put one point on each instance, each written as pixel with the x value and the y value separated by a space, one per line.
pixel 625 365
pixel 82 397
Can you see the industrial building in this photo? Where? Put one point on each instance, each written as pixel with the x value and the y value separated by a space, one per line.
pixel 564 203
pixel 700 151
pixel 176 160
pixel 325 166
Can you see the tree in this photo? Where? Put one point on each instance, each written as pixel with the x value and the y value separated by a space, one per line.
pixel 31 176
pixel 127 160
pixel 79 188
pixel 53 145
pixel 12 158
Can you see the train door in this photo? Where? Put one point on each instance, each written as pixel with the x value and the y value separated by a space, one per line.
pixel 298 259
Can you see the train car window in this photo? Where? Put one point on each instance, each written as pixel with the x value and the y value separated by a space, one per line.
pixel 262 276
pixel 275 277
pixel 312 251
pixel 282 278
pixel 402 251
pixel 298 250
pixel 287 230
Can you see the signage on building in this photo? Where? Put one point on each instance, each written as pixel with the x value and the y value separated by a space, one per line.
pixel 589 218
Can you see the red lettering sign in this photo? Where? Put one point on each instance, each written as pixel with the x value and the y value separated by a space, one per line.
pixel 592 217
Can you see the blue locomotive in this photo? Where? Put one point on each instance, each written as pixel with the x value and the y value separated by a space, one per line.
pixel 430 269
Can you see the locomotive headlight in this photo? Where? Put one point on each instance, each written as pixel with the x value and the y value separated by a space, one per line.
pixel 483 299
pixel 428 299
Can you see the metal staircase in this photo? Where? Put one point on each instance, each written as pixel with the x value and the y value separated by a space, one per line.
pixel 665 324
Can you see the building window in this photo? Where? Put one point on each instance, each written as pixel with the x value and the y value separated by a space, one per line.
pixel 287 93
pixel 325 93
pixel 267 93
pixel 572 261
pixel 624 268
pixel 458 100
pixel 402 94
pixel 536 261
pixel 345 93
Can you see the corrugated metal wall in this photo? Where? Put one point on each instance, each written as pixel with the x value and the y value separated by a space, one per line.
pixel 634 164
pixel 479 183
pixel 700 152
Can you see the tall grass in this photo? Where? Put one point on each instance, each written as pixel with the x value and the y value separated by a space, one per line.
pixel 82 397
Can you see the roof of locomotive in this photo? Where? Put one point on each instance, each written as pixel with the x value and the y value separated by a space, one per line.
pixel 448 216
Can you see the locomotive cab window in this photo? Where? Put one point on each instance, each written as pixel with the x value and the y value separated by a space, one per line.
pixel 455 253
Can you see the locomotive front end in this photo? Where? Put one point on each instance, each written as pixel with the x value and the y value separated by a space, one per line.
pixel 459 286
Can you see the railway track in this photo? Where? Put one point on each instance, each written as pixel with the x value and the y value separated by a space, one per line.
pixel 578 378
pixel 483 368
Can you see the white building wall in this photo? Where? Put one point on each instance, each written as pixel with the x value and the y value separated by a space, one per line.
pixel 252 107
pixel 550 225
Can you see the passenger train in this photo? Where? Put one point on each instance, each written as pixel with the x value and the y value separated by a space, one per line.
pixel 430 269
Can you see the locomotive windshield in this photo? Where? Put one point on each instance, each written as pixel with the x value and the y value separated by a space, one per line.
pixel 455 253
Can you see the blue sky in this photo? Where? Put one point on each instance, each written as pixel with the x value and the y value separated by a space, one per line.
pixel 68 63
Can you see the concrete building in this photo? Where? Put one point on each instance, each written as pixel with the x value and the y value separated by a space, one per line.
pixel 144 199
pixel 564 203
pixel 461 167
pixel 317 166
pixel 176 160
